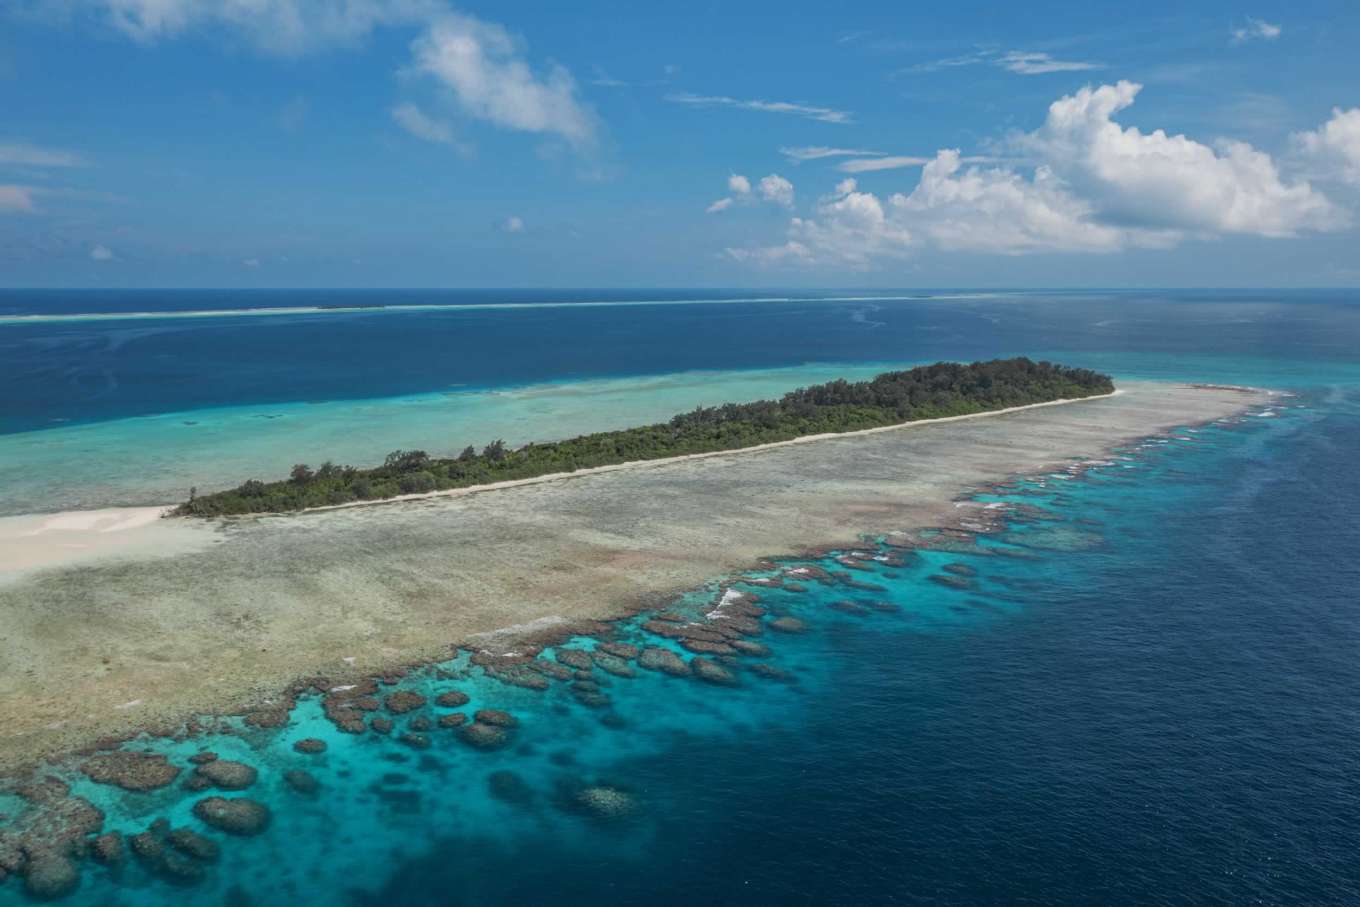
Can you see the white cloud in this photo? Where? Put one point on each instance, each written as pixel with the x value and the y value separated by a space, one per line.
pixel 251 263
pixel 1035 64
pixel 1170 181
pixel 817 152
pixel 1335 145
pixel 415 121
pixel 894 162
pixel 482 65
pixel 774 188
pixel 820 114
pixel 1097 187
pixel 1256 29
pixel 513 224
pixel 16 199
pixel 102 252
pixel 24 155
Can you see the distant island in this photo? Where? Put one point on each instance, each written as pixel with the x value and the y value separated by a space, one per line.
pixel 936 391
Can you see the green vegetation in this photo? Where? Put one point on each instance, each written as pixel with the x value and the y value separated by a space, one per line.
pixel 928 392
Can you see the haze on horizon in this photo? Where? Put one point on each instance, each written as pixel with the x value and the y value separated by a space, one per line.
pixel 418 143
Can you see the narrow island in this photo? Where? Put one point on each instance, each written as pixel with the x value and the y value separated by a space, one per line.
pixel 941 390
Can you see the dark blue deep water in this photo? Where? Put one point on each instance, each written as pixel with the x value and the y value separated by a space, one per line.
pixel 1145 690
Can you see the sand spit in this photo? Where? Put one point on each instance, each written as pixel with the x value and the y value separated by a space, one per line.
pixel 117 644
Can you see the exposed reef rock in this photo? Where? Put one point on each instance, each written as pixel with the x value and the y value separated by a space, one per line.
pixel 452 699
pixel 108 849
pixel 310 746
pixel 574 658
pixel 403 701
pixel 618 650
pixel 664 660
pixel 131 771
pixel 227 775
pixel 495 717
pixel 612 664
pixel 483 736
pixel 234 815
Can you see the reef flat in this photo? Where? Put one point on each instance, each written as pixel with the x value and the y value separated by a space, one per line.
pixel 129 643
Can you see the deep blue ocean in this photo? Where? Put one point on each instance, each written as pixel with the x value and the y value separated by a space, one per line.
pixel 1145 690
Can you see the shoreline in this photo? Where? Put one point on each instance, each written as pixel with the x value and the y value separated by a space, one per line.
pixel 643 464
pixel 567 582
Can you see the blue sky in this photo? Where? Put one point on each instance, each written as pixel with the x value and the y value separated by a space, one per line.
pixel 417 143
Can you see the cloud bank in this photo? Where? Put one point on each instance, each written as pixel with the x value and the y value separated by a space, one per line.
pixel 1095 187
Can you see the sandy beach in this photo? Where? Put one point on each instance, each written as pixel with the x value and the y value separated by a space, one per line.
pixel 116 620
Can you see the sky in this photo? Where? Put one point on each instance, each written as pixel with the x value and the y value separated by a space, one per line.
pixel 419 143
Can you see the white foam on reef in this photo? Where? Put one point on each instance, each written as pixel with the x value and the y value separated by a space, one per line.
pixel 730 596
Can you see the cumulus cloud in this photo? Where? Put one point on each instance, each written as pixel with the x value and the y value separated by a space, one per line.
pixel 1335 145
pixel 1256 30
pixel 807 111
pixel 1096 187
pixel 483 67
pixel 102 252
pixel 774 188
pixel 1170 181
pixel 20 154
pixel 16 199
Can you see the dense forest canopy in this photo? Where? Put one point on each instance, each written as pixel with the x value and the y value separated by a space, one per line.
pixel 926 392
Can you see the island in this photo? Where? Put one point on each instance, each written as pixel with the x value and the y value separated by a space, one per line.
pixel 938 391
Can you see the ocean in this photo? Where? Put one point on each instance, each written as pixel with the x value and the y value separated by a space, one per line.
pixel 1144 690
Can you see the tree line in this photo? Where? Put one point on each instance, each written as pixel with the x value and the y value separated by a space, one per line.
pixel 926 392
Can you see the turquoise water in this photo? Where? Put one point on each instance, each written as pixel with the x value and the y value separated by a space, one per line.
pixel 1143 690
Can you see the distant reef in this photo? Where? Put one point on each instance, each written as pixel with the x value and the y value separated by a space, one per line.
pixel 927 392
